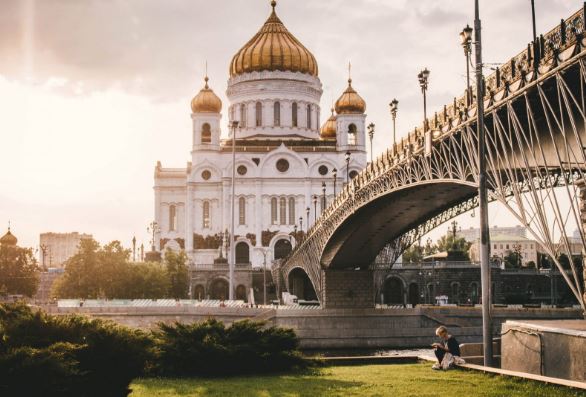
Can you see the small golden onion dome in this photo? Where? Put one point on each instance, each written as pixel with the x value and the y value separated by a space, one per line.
pixel 350 101
pixel 328 130
pixel 8 239
pixel 273 48
pixel 206 101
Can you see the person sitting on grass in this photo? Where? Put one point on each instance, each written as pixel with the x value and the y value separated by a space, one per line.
pixel 448 351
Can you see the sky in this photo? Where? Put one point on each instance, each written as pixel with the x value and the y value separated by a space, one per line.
pixel 94 92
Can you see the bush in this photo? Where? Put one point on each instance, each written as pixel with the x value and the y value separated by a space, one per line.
pixel 107 356
pixel 209 348
pixel 51 371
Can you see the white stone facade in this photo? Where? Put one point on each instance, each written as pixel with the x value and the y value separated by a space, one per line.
pixel 57 248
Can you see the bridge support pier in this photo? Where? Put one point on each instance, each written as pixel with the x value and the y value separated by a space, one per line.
pixel 348 289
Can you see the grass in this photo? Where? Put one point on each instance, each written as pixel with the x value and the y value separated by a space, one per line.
pixel 417 380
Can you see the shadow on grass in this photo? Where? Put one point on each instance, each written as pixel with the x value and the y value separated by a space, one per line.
pixel 300 384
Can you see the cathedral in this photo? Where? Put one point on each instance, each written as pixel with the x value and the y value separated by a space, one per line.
pixel 287 165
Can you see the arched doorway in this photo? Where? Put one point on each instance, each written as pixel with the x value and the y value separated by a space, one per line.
pixel 219 289
pixel 393 291
pixel 300 285
pixel 198 292
pixel 242 253
pixel 414 294
pixel 474 293
pixel 241 293
pixel 282 248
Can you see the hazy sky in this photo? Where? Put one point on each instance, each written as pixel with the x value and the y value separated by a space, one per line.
pixel 94 92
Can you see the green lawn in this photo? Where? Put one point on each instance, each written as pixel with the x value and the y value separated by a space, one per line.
pixel 417 380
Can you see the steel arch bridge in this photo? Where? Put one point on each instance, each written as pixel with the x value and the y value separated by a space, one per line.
pixel 536 140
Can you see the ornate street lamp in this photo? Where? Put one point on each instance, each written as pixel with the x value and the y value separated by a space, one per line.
pixel 301 223
pixel 307 215
pixel 314 208
pixel 371 136
pixel 347 157
pixel 423 77
pixel 323 191
pixel 394 105
pixel 466 41
pixel 134 248
pixel 335 175
pixel 153 228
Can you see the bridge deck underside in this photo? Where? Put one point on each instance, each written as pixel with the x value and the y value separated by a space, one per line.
pixel 362 236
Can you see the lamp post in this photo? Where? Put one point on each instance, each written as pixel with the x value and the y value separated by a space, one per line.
pixel 301 223
pixel 134 248
pixel 307 215
pixel 335 175
pixel 347 157
pixel 323 196
pixel 423 77
pixel 153 228
pixel 264 278
pixel 394 105
pixel 533 17
pixel 232 204
pixel 466 41
pixel 371 136
pixel 483 197
pixel 142 252
pixel 314 208
pixel 44 249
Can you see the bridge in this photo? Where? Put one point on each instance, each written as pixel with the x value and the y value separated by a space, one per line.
pixel 536 140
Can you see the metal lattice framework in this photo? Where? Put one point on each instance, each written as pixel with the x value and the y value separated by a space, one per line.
pixel 536 159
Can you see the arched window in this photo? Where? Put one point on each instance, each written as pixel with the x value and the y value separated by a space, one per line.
pixel 259 114
pixel 242 253
pixel 283 210
pixel 172 218
pixel 277 114
pixel 282 249
pixel 294 111
pixel 309 116
pixel 243 116
pixel 292 210
pixel 352 132
pixel 474 292
pixel 242 211
pixel 206 215
pixel 274 211
pixel 206 133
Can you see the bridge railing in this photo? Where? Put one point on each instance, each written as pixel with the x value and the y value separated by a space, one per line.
pixel 537 59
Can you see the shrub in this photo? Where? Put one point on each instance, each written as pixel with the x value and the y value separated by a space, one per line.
pixel 209 348
pixel 108 358
pixel 31 372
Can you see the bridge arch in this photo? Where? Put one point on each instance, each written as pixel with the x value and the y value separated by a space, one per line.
pixel 300 285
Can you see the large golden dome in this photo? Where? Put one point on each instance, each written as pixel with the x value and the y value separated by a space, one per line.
pixel 206 101
pixel 273 48
pixel 350 101
pixel 328 130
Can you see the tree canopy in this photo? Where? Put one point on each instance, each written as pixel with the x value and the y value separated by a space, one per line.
pixel 19 271
pixel 106 272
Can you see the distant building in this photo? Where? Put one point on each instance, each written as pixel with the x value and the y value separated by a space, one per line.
pixel 46 281
pixel 502 245
pixel 473 234
pixel 57 248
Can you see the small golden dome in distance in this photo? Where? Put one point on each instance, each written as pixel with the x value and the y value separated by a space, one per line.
pixel 8 239
pixel 350 102
pixel 328 130
pixel 206 101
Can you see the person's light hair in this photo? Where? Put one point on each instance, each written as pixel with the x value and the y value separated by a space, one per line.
pixel 440 330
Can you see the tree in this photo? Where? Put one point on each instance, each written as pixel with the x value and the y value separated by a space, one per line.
pixel 178 274
pixel 18 271
pixel 450 243
pixel 82 273
pixel 413 254
pixel 513 260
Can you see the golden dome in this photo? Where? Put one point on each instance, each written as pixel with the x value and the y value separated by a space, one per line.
pixel 328 130
pixel 206 101
pixel 8 239
pixel 273 48
pixel 350 101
